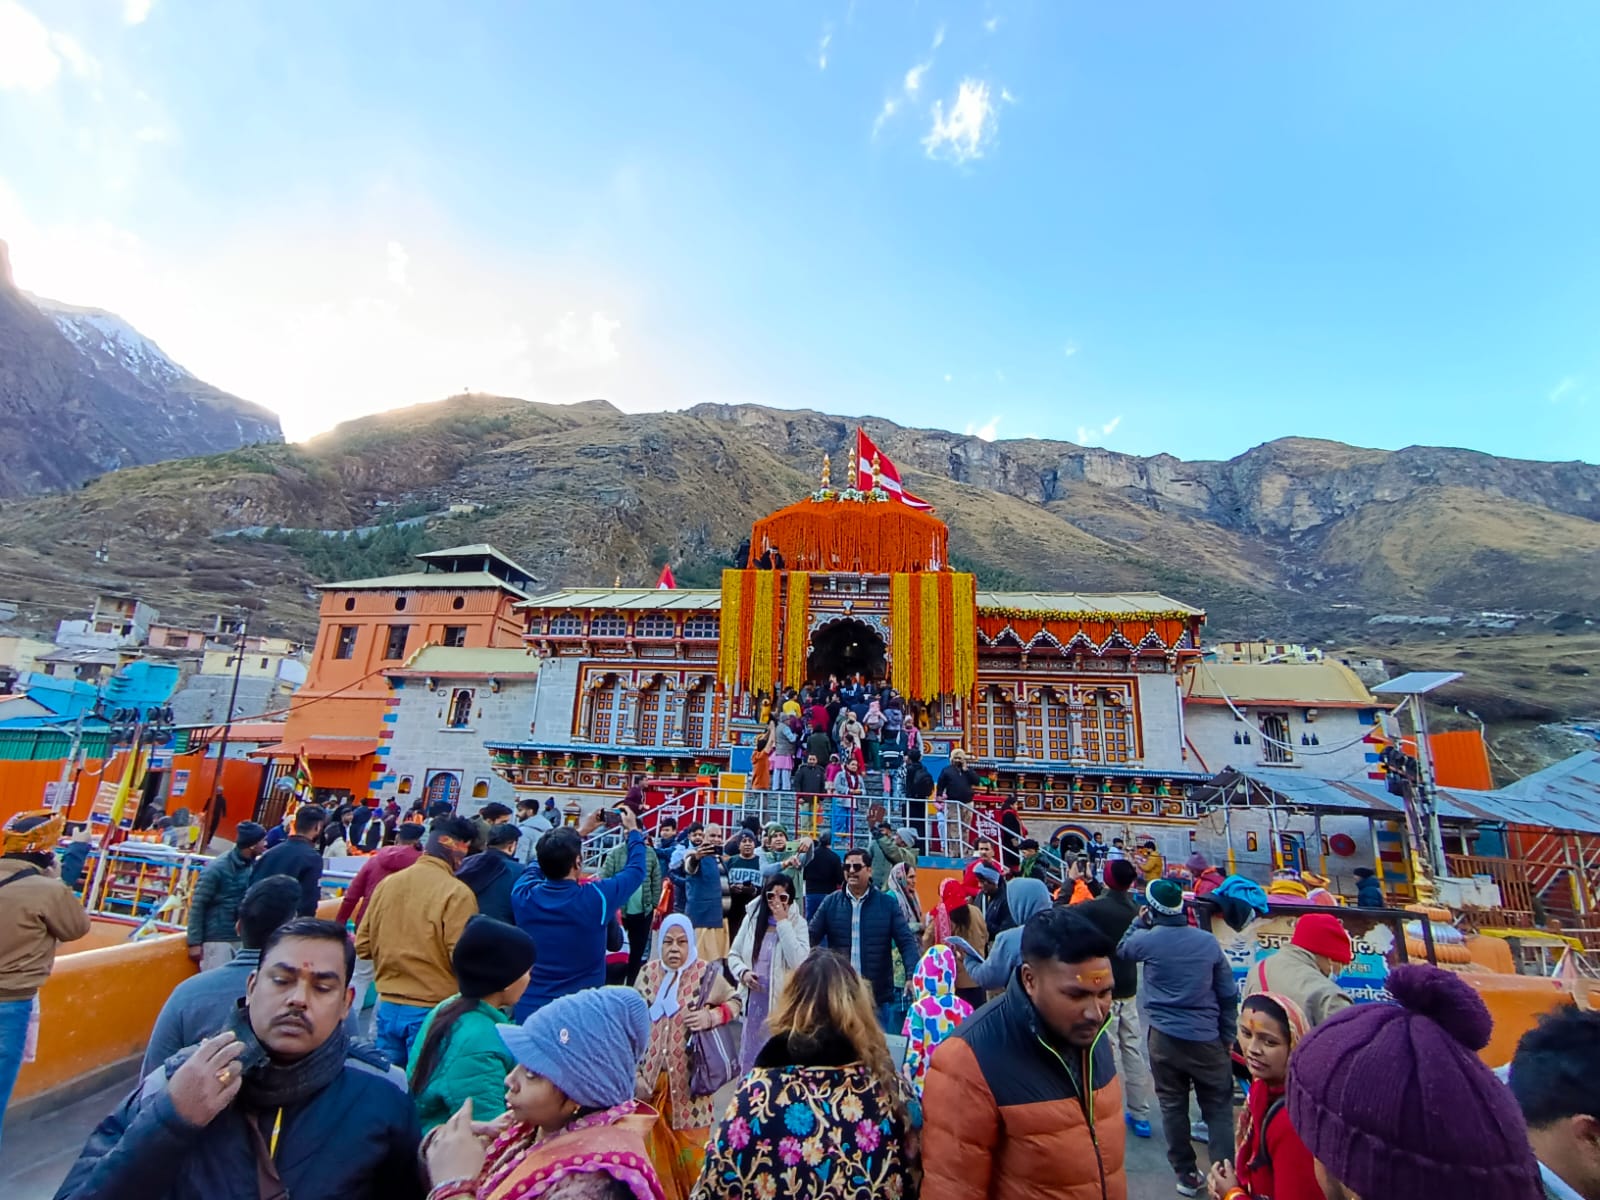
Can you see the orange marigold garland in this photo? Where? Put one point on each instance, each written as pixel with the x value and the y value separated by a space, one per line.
pixel 900 634
pixel 963 633
pixel 728 646
pixel 929 636
pixel 797 629
pixel 764 634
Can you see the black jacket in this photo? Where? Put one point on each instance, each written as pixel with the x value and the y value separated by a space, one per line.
pixel 145 1151
pixel 824 873
pixel 997 914
pixel 1112 912
pixel 957 783
pixel 919 783
pixel 1369 893
pixel 809 780
pixel 490 876
pixel 298 858
pixel 882 925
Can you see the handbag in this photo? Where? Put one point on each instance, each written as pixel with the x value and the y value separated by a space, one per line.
pixel 714 1052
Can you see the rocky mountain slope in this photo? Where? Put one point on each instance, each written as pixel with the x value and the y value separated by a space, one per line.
pixel 1396 554
pixel 82 392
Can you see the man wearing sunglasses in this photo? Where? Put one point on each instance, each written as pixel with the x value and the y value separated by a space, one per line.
pixel 863 923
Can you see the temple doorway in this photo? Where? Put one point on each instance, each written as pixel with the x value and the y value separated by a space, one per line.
pixel 845 647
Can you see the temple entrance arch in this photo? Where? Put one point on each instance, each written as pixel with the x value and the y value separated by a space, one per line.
pixel 845 646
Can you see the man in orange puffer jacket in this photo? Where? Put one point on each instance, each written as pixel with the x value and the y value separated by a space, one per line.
pixel 1023 1101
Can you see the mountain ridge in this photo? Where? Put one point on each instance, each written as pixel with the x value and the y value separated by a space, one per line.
pixel 83 392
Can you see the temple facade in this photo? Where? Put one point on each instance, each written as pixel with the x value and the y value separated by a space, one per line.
pixel 1068 703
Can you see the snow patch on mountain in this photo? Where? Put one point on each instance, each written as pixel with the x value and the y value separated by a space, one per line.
pixel 107 340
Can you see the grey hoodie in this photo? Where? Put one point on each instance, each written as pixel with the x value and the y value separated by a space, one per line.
pixel 1026 898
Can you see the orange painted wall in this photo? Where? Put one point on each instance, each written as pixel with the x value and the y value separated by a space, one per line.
pixel 347 697
pixel 99 1006
pixel 22 785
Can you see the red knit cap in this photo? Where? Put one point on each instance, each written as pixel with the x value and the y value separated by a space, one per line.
pixel 1321 933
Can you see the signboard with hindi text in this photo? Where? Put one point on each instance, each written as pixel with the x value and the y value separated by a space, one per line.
pixel 1363 979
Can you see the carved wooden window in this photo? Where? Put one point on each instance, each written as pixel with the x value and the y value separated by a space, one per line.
pixel 654 714
pixel 697 728
pixel 608 625
pixel 654 625
pixel 1107 727
pixel 995 726
pixel 1055 719
pixel 568 624
pixel 460 716
pixel 701 628
pixel 607 706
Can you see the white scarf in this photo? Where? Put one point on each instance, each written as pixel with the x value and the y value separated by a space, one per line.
pixel 666 1001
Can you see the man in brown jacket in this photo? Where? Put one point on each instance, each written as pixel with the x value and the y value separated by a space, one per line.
pixel 37 913
pixel 410 929
pixel 1023 1101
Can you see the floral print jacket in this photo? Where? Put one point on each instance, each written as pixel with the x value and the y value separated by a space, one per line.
pixel 823 1129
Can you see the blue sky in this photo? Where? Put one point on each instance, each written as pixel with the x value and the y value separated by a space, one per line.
pixel 1155 227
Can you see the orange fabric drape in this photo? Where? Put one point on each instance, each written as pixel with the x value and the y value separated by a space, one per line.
pixel 849 535
pixel 1097 628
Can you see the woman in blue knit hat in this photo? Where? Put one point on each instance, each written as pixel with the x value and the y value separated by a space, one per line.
pixel 574 1131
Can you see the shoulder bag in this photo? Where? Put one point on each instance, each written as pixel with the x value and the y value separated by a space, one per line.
pixel 714 1052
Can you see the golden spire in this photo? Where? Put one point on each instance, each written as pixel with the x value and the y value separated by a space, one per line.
pixel 827 472
pixel 852 472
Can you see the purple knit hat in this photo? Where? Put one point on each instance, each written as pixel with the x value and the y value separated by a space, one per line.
pixel 1395 1103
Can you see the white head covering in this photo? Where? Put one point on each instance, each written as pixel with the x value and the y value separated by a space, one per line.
pixel 666 1001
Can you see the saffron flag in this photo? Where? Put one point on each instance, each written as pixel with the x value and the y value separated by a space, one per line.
pixel 873 469
pixel 666 580
pixel 302 780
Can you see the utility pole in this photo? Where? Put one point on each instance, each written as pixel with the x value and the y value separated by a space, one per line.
pixel 227 725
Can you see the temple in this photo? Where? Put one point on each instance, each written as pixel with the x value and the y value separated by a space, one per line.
pixel 1068 703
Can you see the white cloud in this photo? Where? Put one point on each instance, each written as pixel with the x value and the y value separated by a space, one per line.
pixel 31 55
pixel 134 12
pixel 398 262
pixel 991 24
pixel 969 128
pixel 582 344
pixel 1069 349
pixel 1006 97
pixel 1563 389
pixel 1088 436
pixel 822 47
pixel 985 432
pixel 885 114
pixel 913 82
pixel 938 37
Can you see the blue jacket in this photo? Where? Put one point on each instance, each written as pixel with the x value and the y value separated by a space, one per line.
pixel 703 894
pixel 567 922
pixel 882 925
pixel 1187 991
pixel 1369 893
pixel 145 1151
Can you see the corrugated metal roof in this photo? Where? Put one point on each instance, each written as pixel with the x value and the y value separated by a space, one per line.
pixel 416 580
pixel 1370 798
pixel 469 660
pixel 1087 602
pixel 696 599
pixel 1312 683
pixel 476 550
pixel 711 598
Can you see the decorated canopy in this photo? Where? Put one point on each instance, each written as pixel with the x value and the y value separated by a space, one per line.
pixel 868 536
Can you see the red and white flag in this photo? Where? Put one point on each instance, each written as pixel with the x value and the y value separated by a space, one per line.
pixel 886 477
pixel 666 580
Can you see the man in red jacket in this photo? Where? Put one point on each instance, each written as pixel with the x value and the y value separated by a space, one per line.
pixel 406 850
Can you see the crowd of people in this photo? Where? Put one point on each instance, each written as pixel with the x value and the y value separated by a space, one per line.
pixel 756 1015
